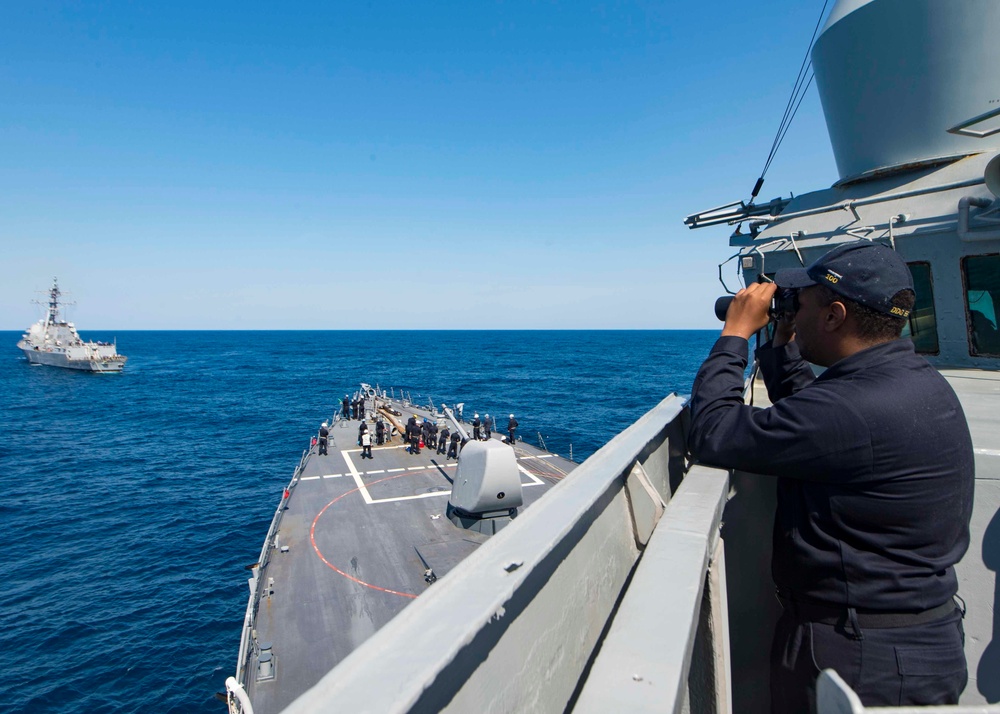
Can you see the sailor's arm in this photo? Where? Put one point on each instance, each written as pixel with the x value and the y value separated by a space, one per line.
pixel 781 364
pixel 813 435
pixel 718 387
pixel 796 437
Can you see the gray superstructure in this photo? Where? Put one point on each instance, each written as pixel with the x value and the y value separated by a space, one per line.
pixel 54 342
pixel 642 583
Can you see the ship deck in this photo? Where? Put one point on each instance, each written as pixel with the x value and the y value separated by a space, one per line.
pixel 355 540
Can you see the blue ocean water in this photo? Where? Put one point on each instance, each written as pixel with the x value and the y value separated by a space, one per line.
pixel 132 502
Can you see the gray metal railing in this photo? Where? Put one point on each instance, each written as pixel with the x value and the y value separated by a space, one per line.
pixel 248 644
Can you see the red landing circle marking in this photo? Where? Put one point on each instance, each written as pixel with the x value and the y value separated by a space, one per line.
pixel 312 539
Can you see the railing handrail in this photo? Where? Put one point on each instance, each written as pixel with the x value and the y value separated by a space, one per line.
pixel 249 621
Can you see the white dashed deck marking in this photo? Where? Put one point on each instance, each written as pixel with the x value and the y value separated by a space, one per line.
pixel 366 495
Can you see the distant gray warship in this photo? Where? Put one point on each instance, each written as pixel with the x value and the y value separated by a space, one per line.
pixel 641 582
pixel 56 343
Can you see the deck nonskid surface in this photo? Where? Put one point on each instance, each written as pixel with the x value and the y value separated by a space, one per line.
pixel 361 534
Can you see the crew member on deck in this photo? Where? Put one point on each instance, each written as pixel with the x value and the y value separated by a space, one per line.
pixel 875 471
pixel 413 434
pixel 380 432
pixel 411 424
pixel 476 426
pixel 324 434
pixel 366 444
pixel 346 404
pixel 453 447
pixel 488 426
pixel 511 428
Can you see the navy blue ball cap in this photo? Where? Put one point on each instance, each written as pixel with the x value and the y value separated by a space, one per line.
pixel 867 273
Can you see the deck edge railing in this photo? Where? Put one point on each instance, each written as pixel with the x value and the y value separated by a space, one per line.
pixel 247 642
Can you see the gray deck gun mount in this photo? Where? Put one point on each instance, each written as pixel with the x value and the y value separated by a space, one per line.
pixel 487 489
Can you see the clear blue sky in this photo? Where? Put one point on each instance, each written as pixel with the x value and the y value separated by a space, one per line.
pixel 332 165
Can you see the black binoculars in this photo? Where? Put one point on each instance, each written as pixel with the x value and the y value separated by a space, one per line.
pixel 784 303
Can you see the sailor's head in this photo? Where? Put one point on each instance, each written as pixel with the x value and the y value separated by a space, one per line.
pixel 511 416
pixel 859 291
pixel 325 425
pixel 870 274
pixel 475 416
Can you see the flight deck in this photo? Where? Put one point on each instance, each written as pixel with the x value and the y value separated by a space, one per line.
pixel 353 542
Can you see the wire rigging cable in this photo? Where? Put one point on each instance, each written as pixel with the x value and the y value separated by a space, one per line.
pixel 802 82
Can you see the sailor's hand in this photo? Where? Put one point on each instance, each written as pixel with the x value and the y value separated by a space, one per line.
pixel 748 312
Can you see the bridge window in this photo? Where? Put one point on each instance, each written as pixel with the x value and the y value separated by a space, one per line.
pixel 922 325
pixel 982 291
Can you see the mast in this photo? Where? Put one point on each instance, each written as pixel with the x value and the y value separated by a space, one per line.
pixel 52 308
pixel 54 293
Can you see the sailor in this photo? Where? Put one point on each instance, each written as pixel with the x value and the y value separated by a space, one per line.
pixel 362 430
pixel 324 434
pixel 411 424
pixel 366 445
pixel 875 471
pixel 476 426
pixel 415 440
pixel 443 440
pixel 379 432
pixel 361 408
pixel 511 428
pixel 453 447
pixel 488 427
pixel 346 404
pixel 354 409
pixel 413 434
pixel 425 432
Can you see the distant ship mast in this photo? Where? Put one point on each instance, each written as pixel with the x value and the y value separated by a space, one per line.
pixel 52 308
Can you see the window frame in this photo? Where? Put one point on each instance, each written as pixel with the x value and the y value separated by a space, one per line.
pixel 963 262
pixel 909 321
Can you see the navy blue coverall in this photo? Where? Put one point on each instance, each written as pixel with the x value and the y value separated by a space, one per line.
pixel 874 495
